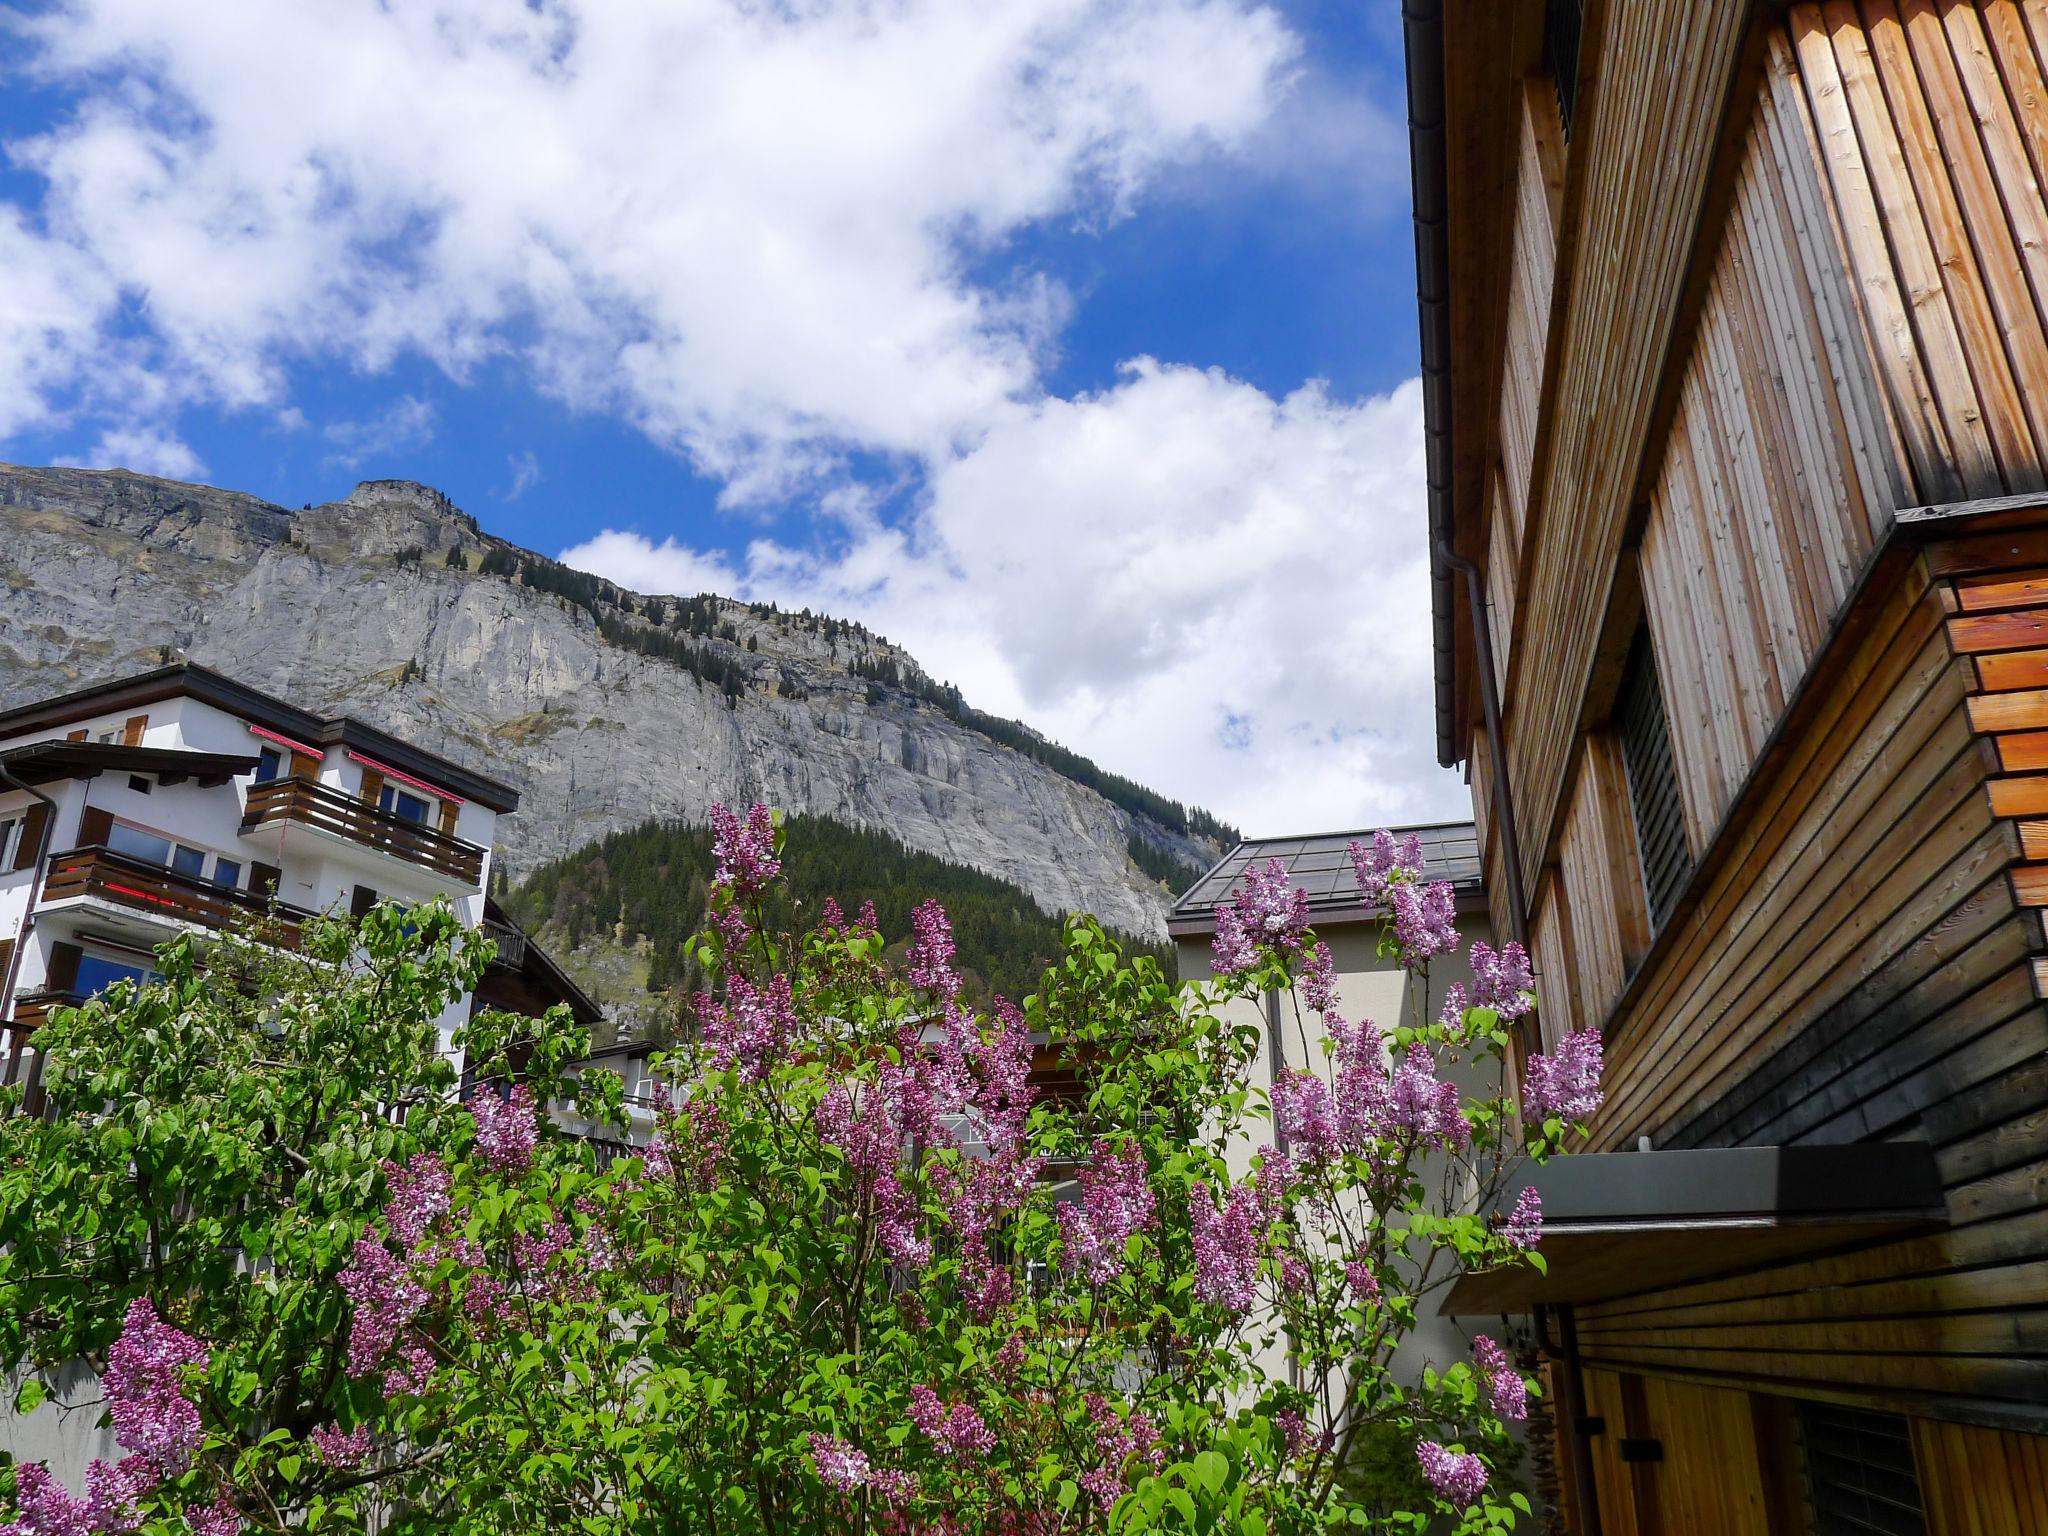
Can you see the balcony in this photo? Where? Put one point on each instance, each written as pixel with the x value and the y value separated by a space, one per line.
pixel 32 1010
pixel 298 802
pixel 138 886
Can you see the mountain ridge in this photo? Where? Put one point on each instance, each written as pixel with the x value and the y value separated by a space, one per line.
pixel 607 707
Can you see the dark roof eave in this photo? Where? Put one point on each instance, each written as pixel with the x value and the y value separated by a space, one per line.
pixel 1423 39
pixel 44 762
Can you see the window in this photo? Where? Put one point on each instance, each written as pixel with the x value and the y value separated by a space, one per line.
pixel 227 872
pixel 402 805
pixel 96 973
pixel 10 839
pixel 138 844
pixel 1860 1471
pixel 1652 782
pixel 109 738
pixel 268 763
pixel 189 861
pixel 139 784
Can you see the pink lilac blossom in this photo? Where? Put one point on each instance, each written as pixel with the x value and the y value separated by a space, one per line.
pixel 145 1389
pixel 220 1518
pixel 1118 1438
pixel 1505 1388
pixel 1503 981
pixel 1265 911
pixel 743 851
pixel 839 1465
pixel 1425 920
pixel 1452 1014
pixel 1305 1113
pixel 506 1130
pixel 1226 1243
pixel 413 1372
pixel 343 1450
pixel 751 1030
pixel 417 1197
pixel 386 1299
pixel 112 1492
pixel 47 1507
pixel 1379 864
pixel 1524 1227
pixel 958 1431
pixel 1364 1284
pixel 1458 1475
pixel 930 959
pixel 1116 1196
pixel 1293 1431
pixel 1318 980
pixel 1423 1107
pixel 1567 1084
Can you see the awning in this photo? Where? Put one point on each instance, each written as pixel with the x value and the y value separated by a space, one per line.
pixel 43 762
pixel 1619 1223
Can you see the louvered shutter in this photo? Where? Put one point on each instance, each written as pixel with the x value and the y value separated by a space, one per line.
pixel 131 732
pixel 95 826
pixel 1860 1472
pixel 1652 782
pixel 31 843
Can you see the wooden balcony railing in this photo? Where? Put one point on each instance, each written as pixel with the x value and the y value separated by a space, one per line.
pixel 32 1010
pixel 161 892
pixel 511 942
pixel 329 810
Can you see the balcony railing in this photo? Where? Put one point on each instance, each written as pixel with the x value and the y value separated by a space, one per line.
pixel 329 810
pixel 32 1010
pixel 511 942
pixel 160 892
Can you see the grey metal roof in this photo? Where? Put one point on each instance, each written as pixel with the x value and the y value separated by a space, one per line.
pixel 1320 864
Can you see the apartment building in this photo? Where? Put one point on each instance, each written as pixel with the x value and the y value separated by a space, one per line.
pixel 182 800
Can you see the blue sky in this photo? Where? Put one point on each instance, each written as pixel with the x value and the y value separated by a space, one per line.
pixel 1067 342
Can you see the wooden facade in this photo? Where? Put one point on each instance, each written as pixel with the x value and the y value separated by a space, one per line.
pixel 1749 374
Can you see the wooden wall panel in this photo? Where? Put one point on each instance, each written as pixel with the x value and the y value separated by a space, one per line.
pixel 1551 957
pixel 1867 961
pixel 1601 874
pixel 1711 1480
pixel 1981 1482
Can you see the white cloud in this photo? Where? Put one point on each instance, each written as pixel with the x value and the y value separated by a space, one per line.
pixel 407 423
pixel 749 228
pixel 144 450
pixel 525 467
pixel 1212 591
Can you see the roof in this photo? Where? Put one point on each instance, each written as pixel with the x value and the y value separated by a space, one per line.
pixel 44 762
pixel 1622 1223
pixel 187 679
pixel 1320 864
pixel 541 970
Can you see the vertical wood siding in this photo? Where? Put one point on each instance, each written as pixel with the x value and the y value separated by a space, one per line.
pixel 1867 962
pixel 1981 1482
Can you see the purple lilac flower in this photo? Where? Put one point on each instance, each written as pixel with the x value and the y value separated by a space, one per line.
pixel 1318 983
pixel 1524 1227
pixel 1116 1196
pixel 1423 1107
pixel 1503 982
pixel 1117 1439
pixel 958 1431
pixel 1364 1284
pixel 47 1508
pixel 743 851
pixel 145 1389
pixel 839 1465
pixel 1293 1430
pixel 1458 1475
pixel 751 1030
pixel 417 1198
pixel 506 1130
pixel 1568 1083
pixel 1506 1390
pixel 220 1518
pixel 342 1450
pixel 1425 920
pixel 112 1492
pixel 1452 1014
pixel 1306 1115
pixel 1265 911
pixel 386 1299
pixel 1226 1245
pixel 931 952
pixel 1378 864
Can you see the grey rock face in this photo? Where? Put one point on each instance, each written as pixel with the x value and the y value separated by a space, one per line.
pixel 352 606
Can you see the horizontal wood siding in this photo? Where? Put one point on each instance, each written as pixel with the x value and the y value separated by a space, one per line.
pixel 1865 961
pixel 1779 469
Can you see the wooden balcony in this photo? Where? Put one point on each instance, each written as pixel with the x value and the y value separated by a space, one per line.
pixel 32 1010
pixel 159 892
pixel 307 804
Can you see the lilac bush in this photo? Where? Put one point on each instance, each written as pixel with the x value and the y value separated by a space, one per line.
pixel 867 1277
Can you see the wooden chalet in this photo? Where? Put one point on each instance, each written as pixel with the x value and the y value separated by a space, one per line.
pixel 1735 337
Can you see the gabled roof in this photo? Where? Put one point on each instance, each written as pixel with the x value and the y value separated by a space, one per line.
pixel 1320 864
pixel 187 679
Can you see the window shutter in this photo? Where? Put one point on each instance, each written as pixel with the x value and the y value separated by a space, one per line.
pixel 95 826
pixel 75 736
pixel 449 811
pixel 63 972
pixel 1860 1469
pixel 131 732
pixel 373 785
pixel 1652 782
pixel 32 830
pixel 305 766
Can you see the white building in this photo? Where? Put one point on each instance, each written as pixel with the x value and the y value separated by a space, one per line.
pixel 1369 985
pixel 180 799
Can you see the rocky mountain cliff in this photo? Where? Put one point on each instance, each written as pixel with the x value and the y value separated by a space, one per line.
pixel 605 707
